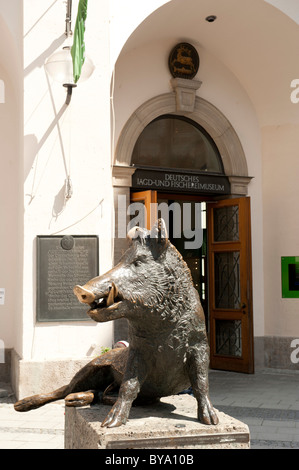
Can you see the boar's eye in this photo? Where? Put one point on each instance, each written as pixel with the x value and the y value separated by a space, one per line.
pixel 139 261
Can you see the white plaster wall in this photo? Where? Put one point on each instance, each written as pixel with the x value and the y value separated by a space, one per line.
pixel 61 140
pixel 143 73
pixel 280 141
pixel 281 223
pixel 289 7
pixel 10 211
pixel 124 18
pixel 11 164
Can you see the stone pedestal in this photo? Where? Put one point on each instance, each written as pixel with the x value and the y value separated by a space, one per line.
pixel 170 424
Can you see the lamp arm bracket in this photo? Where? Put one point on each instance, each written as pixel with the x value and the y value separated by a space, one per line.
pixel 69 87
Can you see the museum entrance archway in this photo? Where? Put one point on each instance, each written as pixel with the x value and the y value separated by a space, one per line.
pixel 179 176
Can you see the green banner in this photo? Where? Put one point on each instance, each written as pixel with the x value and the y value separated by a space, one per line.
pixel 78 48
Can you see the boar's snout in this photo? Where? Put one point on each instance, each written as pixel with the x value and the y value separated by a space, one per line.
pixel 85 296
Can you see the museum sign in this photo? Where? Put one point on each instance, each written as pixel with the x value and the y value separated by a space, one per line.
pixel 177 181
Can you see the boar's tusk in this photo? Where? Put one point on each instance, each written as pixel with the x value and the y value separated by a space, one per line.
pixel 85 296
pixel 112 294
pixel 115 290
pixel 110 299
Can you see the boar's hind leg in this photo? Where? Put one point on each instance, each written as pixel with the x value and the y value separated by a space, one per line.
pixel 198 364
pixel 36 401
pixel 79 383
pixel 71 399
pixel 96 375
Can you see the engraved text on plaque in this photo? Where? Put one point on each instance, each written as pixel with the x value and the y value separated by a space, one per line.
pixel 63 262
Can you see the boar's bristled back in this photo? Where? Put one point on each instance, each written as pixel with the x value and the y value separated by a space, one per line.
pixel 180 283
pixel 163 284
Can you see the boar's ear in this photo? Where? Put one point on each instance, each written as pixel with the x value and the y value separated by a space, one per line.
pixel 135 233
pixel 159 238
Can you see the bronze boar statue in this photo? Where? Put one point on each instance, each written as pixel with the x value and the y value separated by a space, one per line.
pixel 168 350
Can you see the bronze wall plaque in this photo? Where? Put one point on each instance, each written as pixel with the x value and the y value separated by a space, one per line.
pixel 62 263
pixel 183 61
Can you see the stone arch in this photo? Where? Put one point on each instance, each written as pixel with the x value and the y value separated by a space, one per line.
pixel 206 115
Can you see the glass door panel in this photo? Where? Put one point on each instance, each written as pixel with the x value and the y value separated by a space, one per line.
pixel 227 279
pixel 226 224
pixel 229 337
pixel 230 296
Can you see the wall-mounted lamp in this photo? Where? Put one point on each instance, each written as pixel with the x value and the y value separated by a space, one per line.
pixel 60 64
pixel 60 67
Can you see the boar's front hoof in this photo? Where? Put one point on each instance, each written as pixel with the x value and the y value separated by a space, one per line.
pixel 116 417
pixel 207 414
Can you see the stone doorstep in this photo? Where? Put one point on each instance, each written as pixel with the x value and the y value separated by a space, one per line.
pixel 3 393
pixel 170 424
pixel 5 390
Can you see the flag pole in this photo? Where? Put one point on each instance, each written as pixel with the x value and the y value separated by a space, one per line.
pixel 68 19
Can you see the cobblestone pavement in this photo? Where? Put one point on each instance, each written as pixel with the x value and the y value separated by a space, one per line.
pixel 42 428
pixel 267 401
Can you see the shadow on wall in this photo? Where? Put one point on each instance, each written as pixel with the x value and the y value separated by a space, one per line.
pixel 59 203
pixel 31 153
pixel 39 62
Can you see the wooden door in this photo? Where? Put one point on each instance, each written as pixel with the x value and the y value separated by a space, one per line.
pixel 230 285
pixel 149 200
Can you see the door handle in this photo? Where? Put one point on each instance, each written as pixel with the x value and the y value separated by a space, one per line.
pixel 243 306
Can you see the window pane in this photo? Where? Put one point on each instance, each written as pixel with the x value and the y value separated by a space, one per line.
pixel 227 280
pixel 170 142
pixel 226 224
pixel 229 337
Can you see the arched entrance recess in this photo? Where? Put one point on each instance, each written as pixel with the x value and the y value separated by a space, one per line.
pixel 206 115
pixel 235 326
